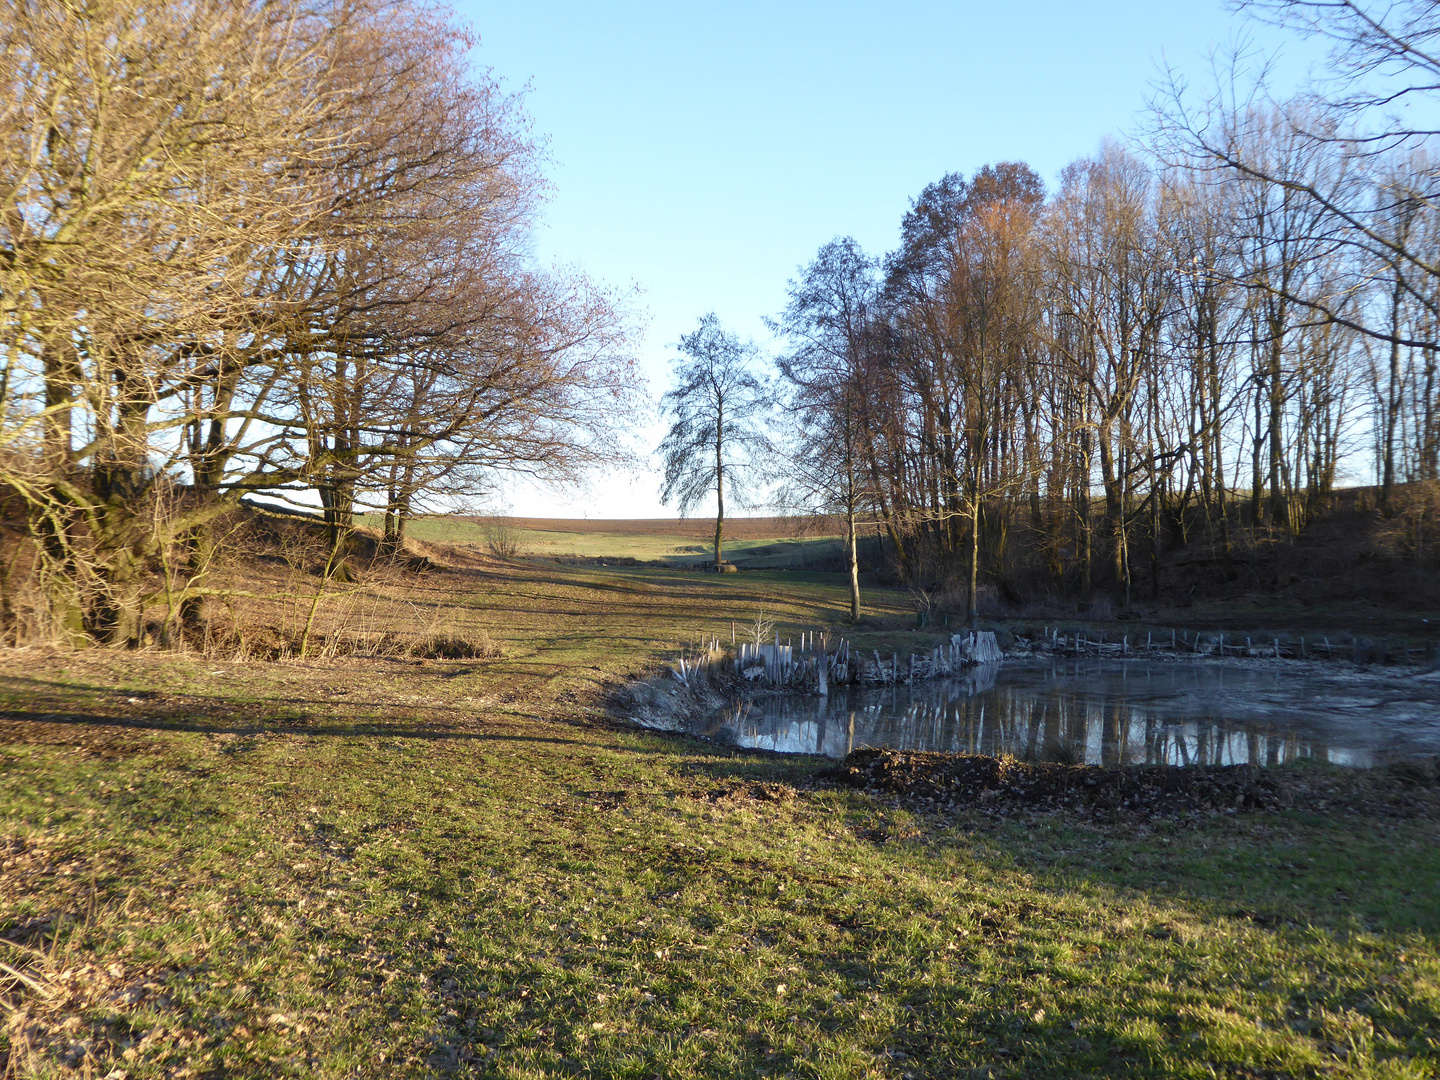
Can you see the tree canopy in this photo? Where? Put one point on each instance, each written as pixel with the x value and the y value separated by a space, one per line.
pixel 278 246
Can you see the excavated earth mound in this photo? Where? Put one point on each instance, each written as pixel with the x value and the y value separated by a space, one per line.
pixel 939 782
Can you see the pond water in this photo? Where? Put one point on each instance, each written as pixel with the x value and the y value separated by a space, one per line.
pixel 1114 712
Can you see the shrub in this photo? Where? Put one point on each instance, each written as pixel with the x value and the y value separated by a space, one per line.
pixel 475 645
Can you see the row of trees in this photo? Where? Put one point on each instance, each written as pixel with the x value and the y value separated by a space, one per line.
pixel 1188 337
pixel 273 245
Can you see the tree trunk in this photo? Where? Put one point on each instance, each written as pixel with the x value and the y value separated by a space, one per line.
pixel 338 500
pixel 61 375
pixel 1112 479
pixel 199 552
pixel 1084 515
pixel 1392 404
pixel 63 601
pixel 888 517
pixel 972 607
pixel 1279 497
pixel 719 493
pixel 1430 422
pixel 1155 538
pixel 1257 481
pixel 854 565
pixel 119 615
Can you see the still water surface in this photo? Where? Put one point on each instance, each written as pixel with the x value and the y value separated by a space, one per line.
pixel 1114 712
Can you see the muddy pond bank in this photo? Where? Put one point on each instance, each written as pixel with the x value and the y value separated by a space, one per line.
pixel 948 783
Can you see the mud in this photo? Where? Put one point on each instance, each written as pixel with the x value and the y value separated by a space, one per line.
pixel 1000 785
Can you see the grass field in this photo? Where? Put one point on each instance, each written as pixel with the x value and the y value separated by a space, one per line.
pixel 388 867
pixel 751 543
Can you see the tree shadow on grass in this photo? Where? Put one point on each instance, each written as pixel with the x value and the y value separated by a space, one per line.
pixel 55 717
pixel 1009 1015
pixel 1219 922
pixel 680 592
pixel 954 1013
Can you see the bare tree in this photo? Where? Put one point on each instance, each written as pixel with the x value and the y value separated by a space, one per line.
pixel 235 240
pixel 1382 70
pixel 717 441
pixel 962 304
pixel 1204 332
pixel 832 321
pixel 150 151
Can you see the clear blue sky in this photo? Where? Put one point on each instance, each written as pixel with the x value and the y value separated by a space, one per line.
pixel 704 152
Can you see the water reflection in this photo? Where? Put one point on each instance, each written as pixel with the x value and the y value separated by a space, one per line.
pixel 1109 712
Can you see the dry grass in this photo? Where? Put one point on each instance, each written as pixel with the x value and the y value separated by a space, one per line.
pixel 472 602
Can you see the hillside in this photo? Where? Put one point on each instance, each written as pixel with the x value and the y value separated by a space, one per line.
pixel 750 543
pixel 1352 569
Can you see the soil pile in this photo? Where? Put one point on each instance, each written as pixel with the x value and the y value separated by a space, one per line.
pixel 938 782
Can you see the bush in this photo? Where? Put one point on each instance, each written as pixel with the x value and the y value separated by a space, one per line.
pixel 475 645
pixel 503 539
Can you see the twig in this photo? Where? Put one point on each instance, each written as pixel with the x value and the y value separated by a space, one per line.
pixel 20 976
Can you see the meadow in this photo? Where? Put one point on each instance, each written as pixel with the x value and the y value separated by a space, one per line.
pixel 390 865
pixel 751 543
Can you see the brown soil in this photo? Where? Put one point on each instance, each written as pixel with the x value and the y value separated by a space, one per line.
pixel 1000 786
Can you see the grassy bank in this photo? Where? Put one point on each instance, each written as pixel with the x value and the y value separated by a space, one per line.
pixel 382 867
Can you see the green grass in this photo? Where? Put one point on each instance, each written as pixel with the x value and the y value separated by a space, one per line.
pixel 389 869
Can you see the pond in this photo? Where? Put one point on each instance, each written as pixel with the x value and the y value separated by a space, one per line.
pixel 1113 712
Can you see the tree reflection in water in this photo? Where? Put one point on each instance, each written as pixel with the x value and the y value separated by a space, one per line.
pixel 1099 712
